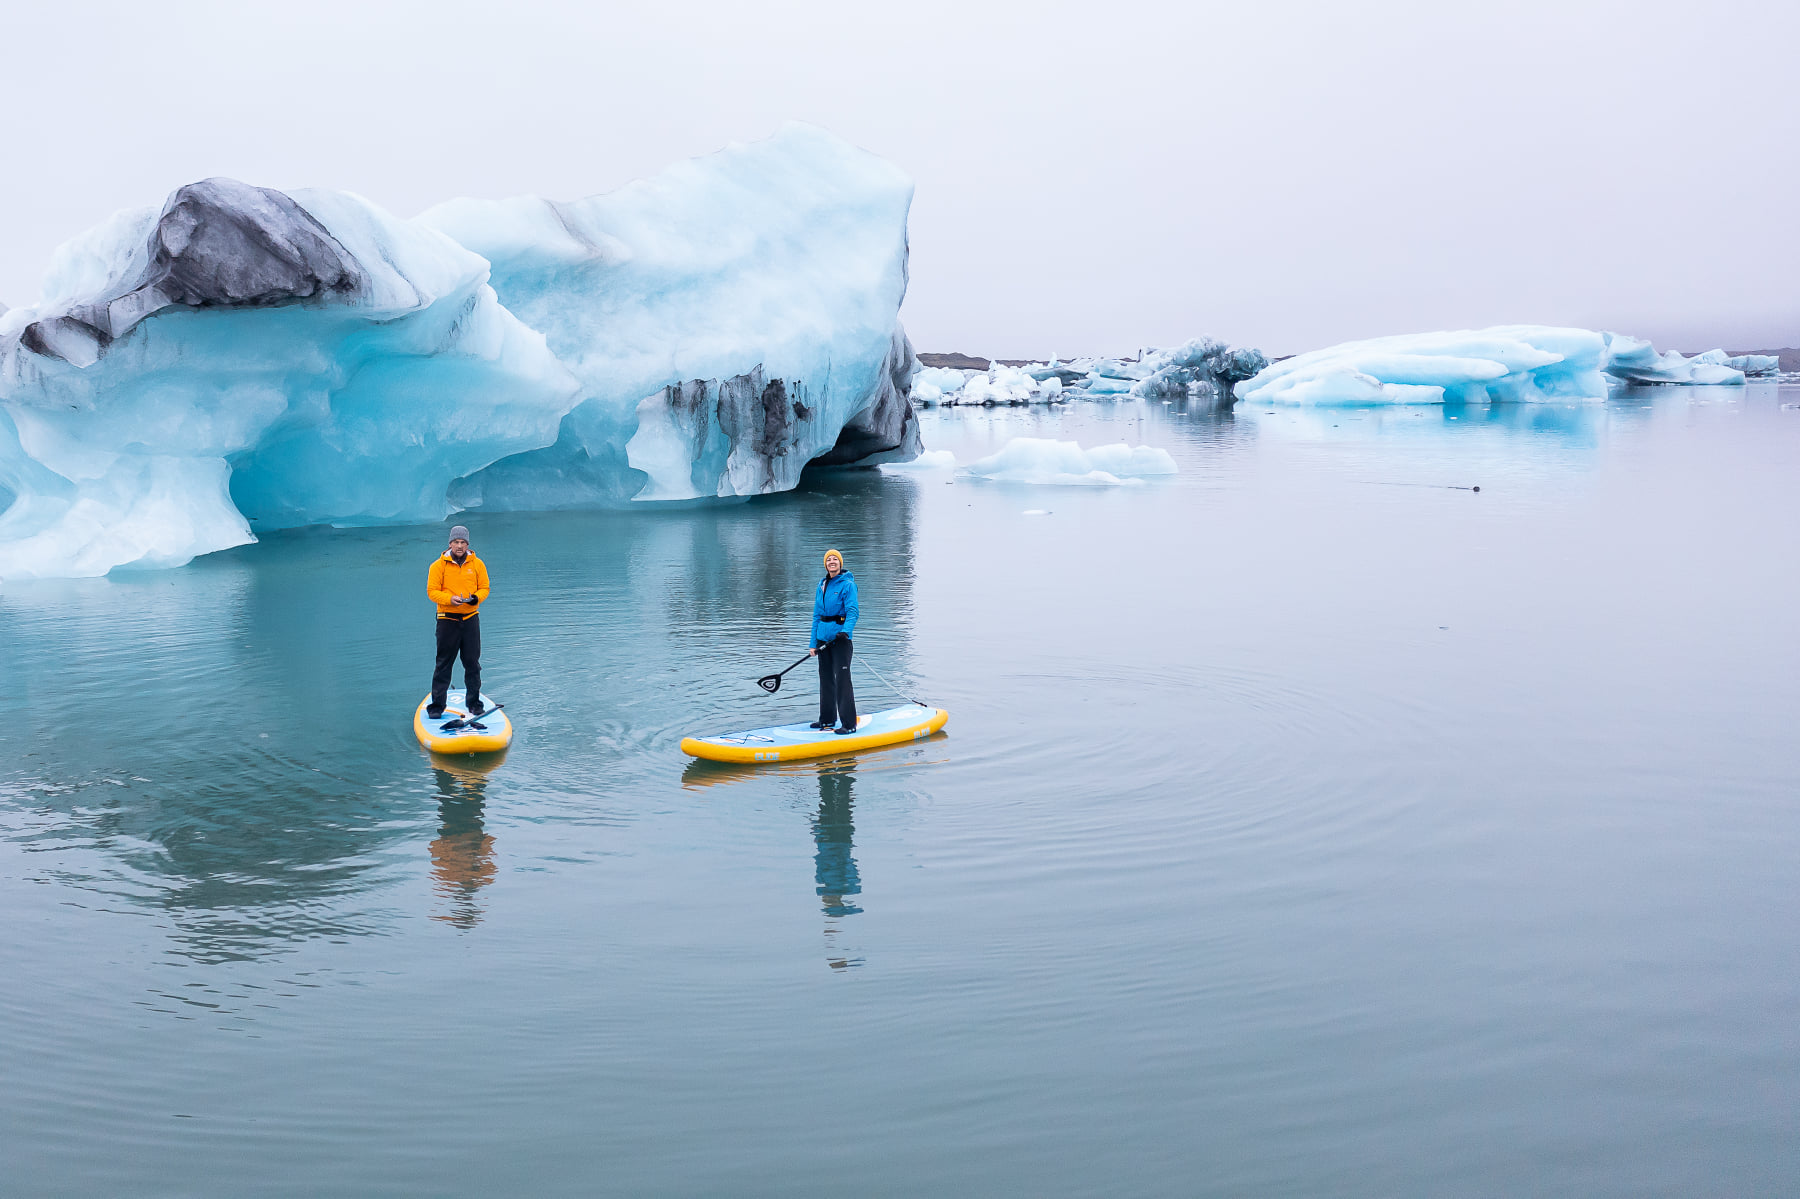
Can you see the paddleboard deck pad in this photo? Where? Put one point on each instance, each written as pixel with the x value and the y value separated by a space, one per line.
pixel 791 742
pixel 466 740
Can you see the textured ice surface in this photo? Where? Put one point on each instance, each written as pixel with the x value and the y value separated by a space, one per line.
pixel 1043 460
pixel 931 384
pixel 1755 366
pixel 244 358
pixel 1198 366
pixel 1211 366
pixel 1637 361
pixel 1509 362
pixel 727 320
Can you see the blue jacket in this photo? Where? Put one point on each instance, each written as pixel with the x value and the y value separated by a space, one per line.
pixel 835 597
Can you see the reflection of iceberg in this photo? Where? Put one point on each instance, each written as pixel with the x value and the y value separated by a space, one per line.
pixel 929 461
pixel 1064 463
pixel 247 359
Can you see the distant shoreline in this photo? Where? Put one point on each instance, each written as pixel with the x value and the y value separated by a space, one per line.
pixel 1789 356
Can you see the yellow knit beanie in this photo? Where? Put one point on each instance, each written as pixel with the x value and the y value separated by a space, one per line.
pixel 835 554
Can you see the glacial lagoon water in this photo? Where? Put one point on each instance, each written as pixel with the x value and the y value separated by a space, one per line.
pixel 1305 825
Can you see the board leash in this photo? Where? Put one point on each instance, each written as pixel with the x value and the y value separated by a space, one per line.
pixel 903 695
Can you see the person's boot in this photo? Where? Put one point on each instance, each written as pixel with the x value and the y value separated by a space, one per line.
pixel 476 707
pixel 433 713
pixel 819 724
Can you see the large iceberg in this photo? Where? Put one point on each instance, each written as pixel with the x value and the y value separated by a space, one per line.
pixel 243 358
pixel 729 321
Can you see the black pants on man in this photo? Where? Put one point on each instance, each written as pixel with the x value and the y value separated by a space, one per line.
pixel 453 637
pixel 837 700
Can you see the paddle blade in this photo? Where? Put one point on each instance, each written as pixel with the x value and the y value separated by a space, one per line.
pixel 770 683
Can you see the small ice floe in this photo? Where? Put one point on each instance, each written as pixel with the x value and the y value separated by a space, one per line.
pixel 1036 512
pixel 930 460
pixel 1043 461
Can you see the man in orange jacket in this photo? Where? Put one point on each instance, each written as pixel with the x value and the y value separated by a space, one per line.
pixel 457 584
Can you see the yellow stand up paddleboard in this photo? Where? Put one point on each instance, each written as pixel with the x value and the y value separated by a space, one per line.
pixel 791 742
pixel 467 738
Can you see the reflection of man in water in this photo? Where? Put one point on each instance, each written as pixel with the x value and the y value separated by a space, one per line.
pixel 833 868
pixel 462 857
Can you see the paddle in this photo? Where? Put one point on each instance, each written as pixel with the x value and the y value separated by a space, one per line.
pixel 474 722
pixel 772 682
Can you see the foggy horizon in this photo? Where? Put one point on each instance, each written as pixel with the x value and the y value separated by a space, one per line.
pixel 1085 183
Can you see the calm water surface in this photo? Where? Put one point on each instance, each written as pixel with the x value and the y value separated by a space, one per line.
pixel 1304 826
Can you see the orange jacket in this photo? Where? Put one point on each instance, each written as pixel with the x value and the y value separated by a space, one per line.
pixel 447 579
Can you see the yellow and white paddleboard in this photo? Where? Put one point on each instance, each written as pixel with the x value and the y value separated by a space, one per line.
pixel 791 742
pixel 497 734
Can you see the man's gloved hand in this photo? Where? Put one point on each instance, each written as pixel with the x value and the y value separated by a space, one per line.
pixel 842 637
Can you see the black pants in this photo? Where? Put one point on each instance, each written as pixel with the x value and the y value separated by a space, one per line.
pixel 837 700
pixel 453 637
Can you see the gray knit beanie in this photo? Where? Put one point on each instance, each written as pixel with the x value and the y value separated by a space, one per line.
pixel 458 533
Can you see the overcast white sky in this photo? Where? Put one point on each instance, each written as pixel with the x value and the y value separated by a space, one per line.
pixel 1090 177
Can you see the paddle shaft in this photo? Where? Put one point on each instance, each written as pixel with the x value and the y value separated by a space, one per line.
pixel 460 721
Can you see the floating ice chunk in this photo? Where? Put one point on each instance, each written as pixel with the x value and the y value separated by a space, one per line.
pixel 926 462
pixel 1755 366
pixel 931 384
pixel 1001 385
pixel 1064 463
pixel 1108 385
pixel 1210 365
pixel 1636 361
pixel 1509 362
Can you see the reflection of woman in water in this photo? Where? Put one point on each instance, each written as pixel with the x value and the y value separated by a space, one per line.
pixel 833 868
pixel 462 856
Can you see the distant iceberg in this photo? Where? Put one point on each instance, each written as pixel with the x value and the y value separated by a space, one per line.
pixel 1508 362
pixel 1045 461
pixel 1636 361
pixel 244 358
pixel 1201 365
pixel 1517 363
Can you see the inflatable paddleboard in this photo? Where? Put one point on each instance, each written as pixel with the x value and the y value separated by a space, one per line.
pixel 465 740
pixel 791 742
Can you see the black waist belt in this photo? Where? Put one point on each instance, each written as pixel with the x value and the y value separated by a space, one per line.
pixel 832 619
pixel 454 616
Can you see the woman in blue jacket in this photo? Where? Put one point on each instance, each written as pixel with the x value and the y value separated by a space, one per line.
pixel 834 620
